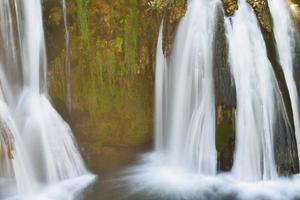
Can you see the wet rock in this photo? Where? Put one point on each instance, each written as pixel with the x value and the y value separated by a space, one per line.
pixel 6 141
pixel 295 8
pixel 297 59
pixel 285 145
pixel 225 98
pixel 172 16
pixel 230 6
pixel 261 9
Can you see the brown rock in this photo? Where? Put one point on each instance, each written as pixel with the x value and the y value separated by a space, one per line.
pixel 261 9
pixel 230 6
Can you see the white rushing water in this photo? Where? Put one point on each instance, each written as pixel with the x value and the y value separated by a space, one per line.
pixel 185 109
pixel 185 105
pixel 67 58
pixel 45 152
pixel 256 91
pixel 285 39
pixel 160 90
pixel 10 72
pixel 13 156
pixel 183 165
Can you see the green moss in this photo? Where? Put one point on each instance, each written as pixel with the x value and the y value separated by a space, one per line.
pixel 112 71
pixel 225 130
pixel 83 21
pixel 130 39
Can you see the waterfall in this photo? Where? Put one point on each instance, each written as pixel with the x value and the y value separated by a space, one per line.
pixel 285 39
pixel 10 71
pixel 67 58
pixel 42 144
pixel 160 100
pixel 185 99
pixel 13 157
pixel 185 108
pixel 44 128
pixel 259 99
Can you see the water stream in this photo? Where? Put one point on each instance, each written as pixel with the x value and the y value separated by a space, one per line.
pixel 285 38
pixel 44 152
pixel 67 58
pixel 256 89
pixel 183 165
pixel 185 109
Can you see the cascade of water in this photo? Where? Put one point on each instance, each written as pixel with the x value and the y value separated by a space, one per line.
pixel 14 165
pixel 40 135
pixel 11 73
pixel 13 156
pixel 67 58
pixel 160 73
pixel 284 35
pixel 43 128
pixel 258 97
pixel 185 109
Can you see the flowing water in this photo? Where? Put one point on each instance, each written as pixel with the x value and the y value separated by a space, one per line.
pixel 160 98
pixel 67 58
pixel 183 165
pixel 285 39
pixel 185 109
pixel 39 149
pixel 256 90
pixel 38 154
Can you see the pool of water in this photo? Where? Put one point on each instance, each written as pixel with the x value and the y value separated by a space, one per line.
pixel 134 174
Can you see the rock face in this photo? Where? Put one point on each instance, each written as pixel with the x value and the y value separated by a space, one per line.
pixel 262 12
pixel 230 6
pixel 173 13
pixel 113 46
pixel 225 97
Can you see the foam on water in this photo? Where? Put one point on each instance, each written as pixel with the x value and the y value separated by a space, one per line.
pixel 152 178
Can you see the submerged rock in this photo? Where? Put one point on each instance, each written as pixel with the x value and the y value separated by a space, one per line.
pixel 230 6
pixel 261 9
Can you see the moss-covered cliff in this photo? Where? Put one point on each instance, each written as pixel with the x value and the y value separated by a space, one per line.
pixel 112 53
